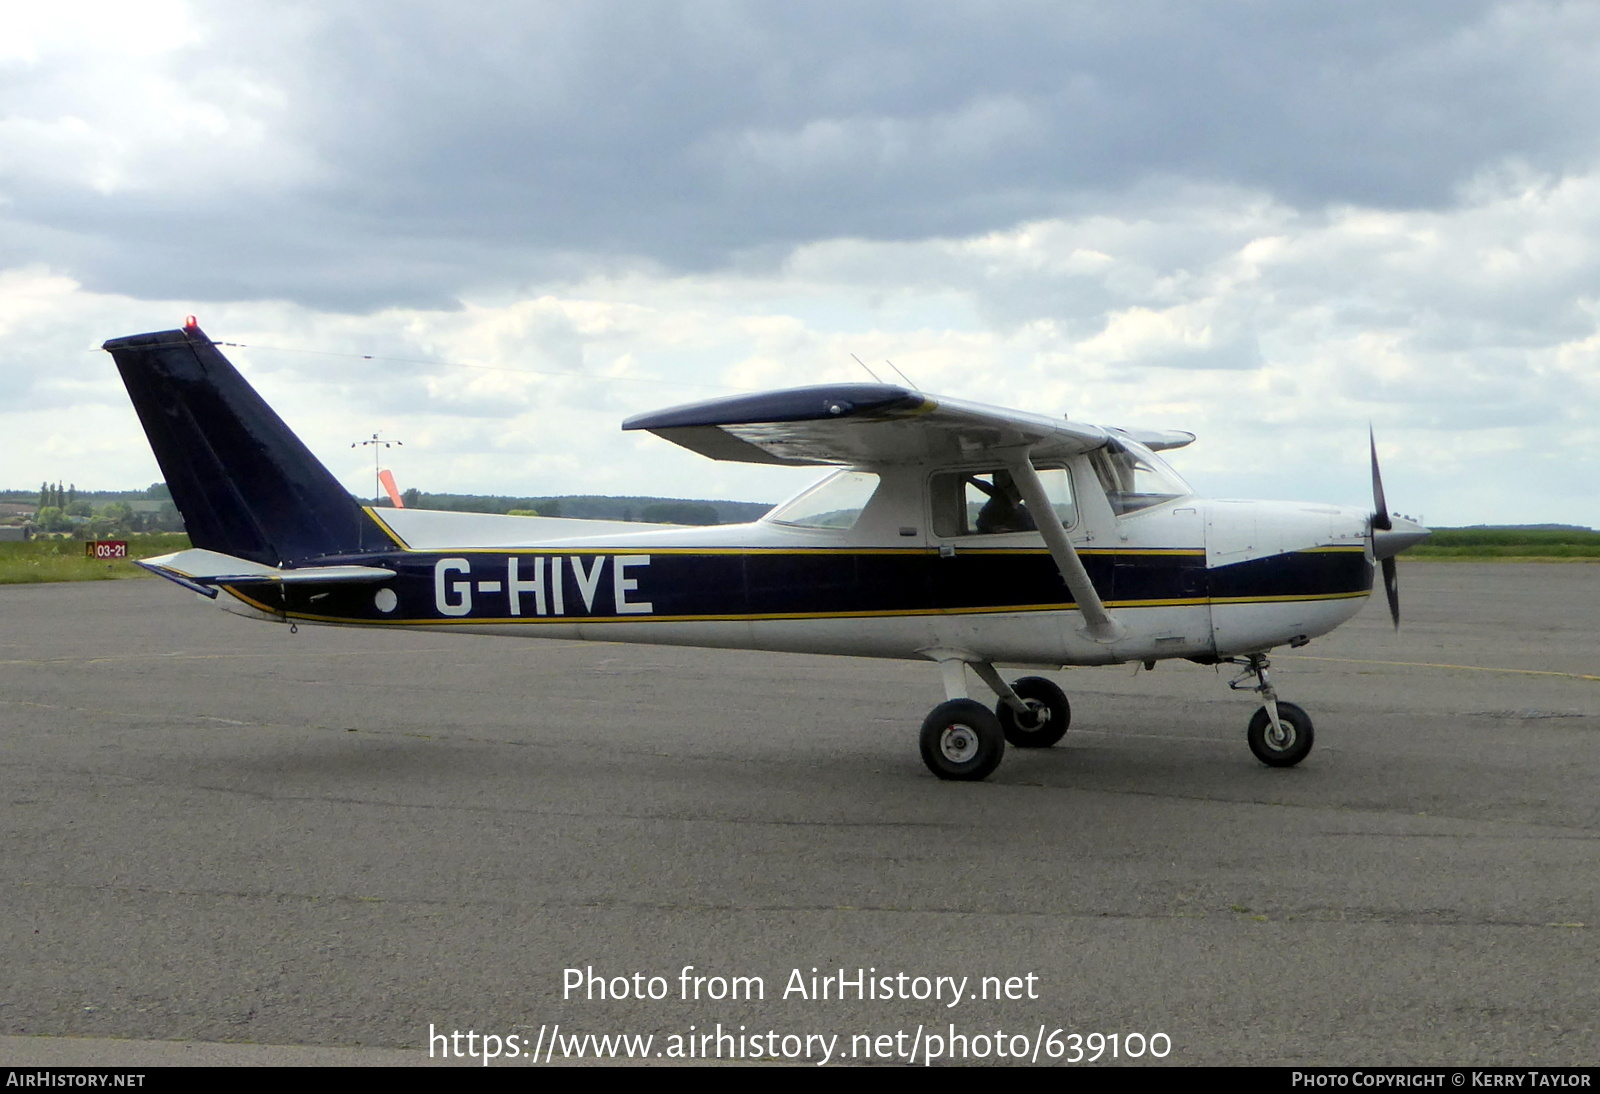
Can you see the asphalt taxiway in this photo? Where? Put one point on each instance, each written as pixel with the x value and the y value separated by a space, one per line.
pixel 224 841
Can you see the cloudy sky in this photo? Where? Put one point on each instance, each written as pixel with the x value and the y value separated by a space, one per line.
pixel 492 231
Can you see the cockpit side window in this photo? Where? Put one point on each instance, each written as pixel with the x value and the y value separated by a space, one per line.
pixel 989 503
pixel 1134 478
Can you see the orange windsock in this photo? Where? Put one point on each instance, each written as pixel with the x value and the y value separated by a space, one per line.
pixel 387 478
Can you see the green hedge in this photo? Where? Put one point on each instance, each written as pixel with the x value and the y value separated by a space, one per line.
pixel 1490 543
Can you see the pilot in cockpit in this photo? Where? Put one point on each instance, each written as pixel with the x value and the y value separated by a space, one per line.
pixel 1005 510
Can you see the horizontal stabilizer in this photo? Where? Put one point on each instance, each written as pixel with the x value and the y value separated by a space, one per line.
pixel 202 571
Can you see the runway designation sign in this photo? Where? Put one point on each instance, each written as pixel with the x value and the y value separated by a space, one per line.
pixel 106 548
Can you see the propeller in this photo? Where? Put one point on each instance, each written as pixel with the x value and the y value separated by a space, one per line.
pixel 1390 535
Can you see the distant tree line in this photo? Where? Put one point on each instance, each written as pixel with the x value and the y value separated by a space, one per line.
pixel 61 509
pixel 650 510
pixel 46 495
pixel 54 497
pixel 108 514
pixel 114 520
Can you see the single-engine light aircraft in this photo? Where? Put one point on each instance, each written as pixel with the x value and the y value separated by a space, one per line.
pixel 962 534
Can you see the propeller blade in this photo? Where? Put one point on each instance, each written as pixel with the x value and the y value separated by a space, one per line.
pixel 1389 540
pixel 1380 506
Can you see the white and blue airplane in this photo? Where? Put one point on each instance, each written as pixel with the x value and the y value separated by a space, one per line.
pixel 926 542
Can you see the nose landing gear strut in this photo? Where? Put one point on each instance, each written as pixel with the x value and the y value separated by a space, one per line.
pixel 1280 733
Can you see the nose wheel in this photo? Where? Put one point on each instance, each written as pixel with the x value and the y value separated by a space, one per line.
pixel 1280 734
pixel 1285 744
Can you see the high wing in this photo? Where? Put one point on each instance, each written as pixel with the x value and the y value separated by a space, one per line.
pixel 864 424
pixel 876 424
pixel 1157 440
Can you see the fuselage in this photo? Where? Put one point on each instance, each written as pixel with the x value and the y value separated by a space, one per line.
pixel 903 566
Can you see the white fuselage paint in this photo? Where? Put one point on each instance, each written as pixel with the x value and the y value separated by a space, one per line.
pixel 552 595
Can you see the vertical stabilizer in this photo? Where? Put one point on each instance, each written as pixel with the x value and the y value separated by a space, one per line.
pixel 245 484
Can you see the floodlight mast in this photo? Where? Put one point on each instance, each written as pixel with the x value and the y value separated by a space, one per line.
pixel 377 474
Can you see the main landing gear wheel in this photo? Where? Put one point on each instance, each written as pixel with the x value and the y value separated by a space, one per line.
pixel 962 739
pixel 1285 749
pixel 1048 715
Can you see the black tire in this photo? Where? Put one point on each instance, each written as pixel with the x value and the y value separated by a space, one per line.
pixel 962 739
pixel 1296 724
pixel 1051 714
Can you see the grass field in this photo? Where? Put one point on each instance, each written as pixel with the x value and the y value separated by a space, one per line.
pixel 63 559
pixel 1508 544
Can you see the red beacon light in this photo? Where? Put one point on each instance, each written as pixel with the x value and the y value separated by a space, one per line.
pixel 191 323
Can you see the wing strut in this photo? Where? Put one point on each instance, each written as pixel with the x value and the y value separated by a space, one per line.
pixel 1102 628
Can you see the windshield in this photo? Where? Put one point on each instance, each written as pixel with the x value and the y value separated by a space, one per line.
pixel 835 502
pixel 1135 478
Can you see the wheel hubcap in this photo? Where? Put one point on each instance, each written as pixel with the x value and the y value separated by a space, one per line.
pixel 1037 718
pixel 959 744
pixel 1281 737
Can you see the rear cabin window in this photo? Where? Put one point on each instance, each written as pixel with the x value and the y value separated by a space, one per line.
pixel 989 503
pixel 835 502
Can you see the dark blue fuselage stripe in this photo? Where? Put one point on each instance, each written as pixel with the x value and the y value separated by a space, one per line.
pixel 760 584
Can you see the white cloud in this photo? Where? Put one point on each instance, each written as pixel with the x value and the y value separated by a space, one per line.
pixel 127 98
pixel 1270 229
